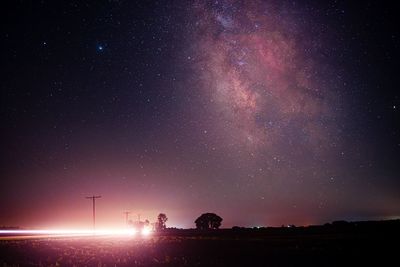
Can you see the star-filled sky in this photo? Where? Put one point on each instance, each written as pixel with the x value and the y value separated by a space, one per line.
pixel 264 112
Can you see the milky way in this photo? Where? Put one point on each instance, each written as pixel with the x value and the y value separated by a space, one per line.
pixel 272 114
pixel 266 90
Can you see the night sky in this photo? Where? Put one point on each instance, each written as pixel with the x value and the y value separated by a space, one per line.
pixel 264 112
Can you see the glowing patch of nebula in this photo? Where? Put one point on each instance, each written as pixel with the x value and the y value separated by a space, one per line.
pixel 254 68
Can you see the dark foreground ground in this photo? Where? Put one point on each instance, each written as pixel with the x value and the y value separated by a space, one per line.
pixel 340 244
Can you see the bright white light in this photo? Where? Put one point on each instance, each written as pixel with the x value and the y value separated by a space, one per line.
pixel 72 232
pixel 132 231
pixel 146 231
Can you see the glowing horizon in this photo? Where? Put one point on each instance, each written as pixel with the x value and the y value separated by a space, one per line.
pixel 80 232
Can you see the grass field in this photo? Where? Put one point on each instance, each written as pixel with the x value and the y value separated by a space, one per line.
pixel 265 247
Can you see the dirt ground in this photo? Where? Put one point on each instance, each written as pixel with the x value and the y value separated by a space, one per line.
pixel 296 247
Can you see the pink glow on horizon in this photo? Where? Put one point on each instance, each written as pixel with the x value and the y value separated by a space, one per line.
pixel 79 232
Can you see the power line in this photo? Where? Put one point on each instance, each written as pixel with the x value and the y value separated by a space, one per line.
pixel 126 216
pixel 93 198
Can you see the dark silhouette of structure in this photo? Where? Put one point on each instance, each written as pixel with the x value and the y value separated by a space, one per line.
pixel 161 221
pixel 126 217
pixel 208 221
pixel 138 225
pixel 93 198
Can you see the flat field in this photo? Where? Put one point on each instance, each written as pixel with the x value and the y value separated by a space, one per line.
pixel 319 246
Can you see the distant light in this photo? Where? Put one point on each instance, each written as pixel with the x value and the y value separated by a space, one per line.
pixel 100 47
pixel 132 231
pixel 146 231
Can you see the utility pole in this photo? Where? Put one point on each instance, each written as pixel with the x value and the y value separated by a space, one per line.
pixel 126 216
pixel 93 198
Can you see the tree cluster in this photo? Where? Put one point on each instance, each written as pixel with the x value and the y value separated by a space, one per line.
pixel 204 222
pixel 208 221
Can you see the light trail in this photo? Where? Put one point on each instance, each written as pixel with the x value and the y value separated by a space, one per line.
pixel 78 232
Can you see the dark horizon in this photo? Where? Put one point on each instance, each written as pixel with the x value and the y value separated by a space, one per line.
pixel 335 224
pixel 263 112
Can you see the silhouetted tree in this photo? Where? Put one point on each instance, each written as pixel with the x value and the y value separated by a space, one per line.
pixel 208 221
pixel 161 220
